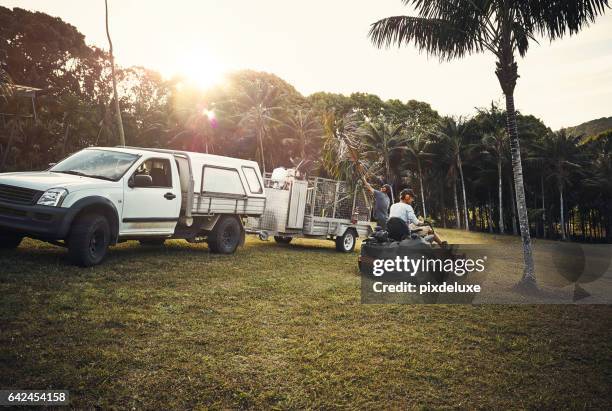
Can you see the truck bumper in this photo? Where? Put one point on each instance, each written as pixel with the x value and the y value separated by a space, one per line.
pixel 33 220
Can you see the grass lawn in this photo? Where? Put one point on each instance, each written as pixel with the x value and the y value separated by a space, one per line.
pixel 282 327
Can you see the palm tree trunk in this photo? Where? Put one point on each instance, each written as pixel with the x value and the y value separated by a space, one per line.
pixel 457 216
pixel 543 207
pixel 112 61
pixel 422 193
pixel 65 143
pixel 507 74
pixel 465 212
pixel 501 204
pixel 261 150
pixel 490 214
pixel 562 213
pixel 387 167
pixel 443 208
pixel 512 205
pixel 521 204
pixel 7 149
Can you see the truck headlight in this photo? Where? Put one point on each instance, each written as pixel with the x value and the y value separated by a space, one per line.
pixel 52 197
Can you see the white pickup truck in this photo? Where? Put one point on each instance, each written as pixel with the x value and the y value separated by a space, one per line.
pixel 101 196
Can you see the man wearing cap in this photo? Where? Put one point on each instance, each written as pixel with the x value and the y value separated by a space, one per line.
pixel 404 211
pixel 381 202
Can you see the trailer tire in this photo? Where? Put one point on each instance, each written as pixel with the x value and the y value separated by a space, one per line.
pixel 88 240
pixel 10 241
pixel 225 237
pixel 152 242
pixel 280 239
pixel 346 242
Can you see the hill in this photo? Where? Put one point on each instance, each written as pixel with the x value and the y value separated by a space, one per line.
pixel 593 127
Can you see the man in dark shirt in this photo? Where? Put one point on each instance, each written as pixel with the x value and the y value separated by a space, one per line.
pixel 381 202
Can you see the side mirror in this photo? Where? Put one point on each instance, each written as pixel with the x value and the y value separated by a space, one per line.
pixel 140 180
pixel 52 164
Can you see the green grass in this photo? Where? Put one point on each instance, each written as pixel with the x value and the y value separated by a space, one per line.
pixel 281 327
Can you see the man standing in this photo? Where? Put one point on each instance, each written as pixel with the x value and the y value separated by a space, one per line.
pixel 381 202
pixel 404 211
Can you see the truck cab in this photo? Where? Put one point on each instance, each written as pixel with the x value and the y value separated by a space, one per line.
pixel 103 195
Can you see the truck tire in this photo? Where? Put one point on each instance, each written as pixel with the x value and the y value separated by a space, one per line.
pixel 346 242
pixel 88 240
pixel 280 239
pixel 152 242
pixel 9 241
pixel 225 237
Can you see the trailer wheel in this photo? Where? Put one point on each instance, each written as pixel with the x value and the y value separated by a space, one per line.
pixel 152 242
pixel 280 239
pixel 225 237
pixel 346 242
pixel 10 241
pixel 89 239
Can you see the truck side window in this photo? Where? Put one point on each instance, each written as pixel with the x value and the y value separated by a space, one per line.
pixel 252 180
pixel 222 180
pixel 160 171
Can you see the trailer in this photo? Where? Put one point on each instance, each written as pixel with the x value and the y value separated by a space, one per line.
pixel 313 208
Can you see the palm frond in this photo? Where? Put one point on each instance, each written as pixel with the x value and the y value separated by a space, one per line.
pixel 436 37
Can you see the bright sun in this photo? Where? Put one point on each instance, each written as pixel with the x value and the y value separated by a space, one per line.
pixel 197 67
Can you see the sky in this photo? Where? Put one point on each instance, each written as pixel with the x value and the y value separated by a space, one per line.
pixel 322 45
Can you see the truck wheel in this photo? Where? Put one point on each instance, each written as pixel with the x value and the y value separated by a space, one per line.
pixel 282 239
pixel 153 242
pixel 89 239
pixel 346 242
pixel 10 241
pixel 225 237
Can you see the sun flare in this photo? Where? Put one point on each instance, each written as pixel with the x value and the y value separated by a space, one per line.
pixel 196 67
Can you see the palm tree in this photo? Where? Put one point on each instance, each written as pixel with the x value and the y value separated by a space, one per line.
pixel 116 98
pixel 258 105
pixel 599 180
pixel 304 133
pixel 453 29
pixel 386 140
pixel 417 154
pixel 14 126
pixel 495 143
pixel 454 135
pixel 342 141
pixel 562 156
pixel 6 83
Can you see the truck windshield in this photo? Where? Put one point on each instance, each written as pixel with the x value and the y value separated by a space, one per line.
pixel 102 164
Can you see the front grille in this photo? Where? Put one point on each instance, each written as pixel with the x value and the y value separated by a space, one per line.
pixel 19 195
pixel 12 212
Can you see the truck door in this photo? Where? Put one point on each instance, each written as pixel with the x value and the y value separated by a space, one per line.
pixel 152 208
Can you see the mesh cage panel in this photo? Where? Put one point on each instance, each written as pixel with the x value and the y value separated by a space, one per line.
pixel 336 199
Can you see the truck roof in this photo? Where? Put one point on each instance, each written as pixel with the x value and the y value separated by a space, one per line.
pixel 201 157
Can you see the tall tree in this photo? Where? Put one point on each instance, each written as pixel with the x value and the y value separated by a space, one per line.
pixel 343 135
pixel 456 28
pixel 417 155
pixel 382 142
pixel 495 143
pixel 258 105
pixel 563 158
pixel 304 134
pixel 454 134
pixel 114 75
